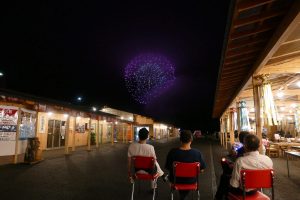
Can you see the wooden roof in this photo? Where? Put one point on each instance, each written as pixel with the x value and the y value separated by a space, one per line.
pixel 251 25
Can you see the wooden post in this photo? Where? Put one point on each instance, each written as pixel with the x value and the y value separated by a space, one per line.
pixel 126 133
pixel 97 134
pixel 238 116
pixel 221 134
pixel 17 137
pixel 231 125
pixel 256 97
pixel 89 135
pixel 112 134
pixel 74 134
pixel 67 129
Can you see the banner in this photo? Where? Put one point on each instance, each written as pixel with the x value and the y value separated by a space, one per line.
pixel 8 129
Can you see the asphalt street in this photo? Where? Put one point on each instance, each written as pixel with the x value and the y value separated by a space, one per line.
pixel 102 174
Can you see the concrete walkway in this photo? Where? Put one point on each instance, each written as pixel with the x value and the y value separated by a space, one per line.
pixel 102 174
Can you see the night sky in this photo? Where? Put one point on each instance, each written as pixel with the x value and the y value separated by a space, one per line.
pixel 62 49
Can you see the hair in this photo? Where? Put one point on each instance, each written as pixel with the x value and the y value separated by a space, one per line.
pixel 251 142
pixel 186 136
pixel 242 136
pixel 143 134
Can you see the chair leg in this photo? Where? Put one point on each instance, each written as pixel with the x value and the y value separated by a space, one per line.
pixel 132 192
pixel 172 194
pixel 154 189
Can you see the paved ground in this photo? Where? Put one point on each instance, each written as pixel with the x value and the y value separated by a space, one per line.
pixel 102 174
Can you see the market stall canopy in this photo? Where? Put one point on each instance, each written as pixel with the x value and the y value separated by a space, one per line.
pixel 253 28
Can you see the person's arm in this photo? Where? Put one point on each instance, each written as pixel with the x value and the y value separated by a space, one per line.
pixel 235 178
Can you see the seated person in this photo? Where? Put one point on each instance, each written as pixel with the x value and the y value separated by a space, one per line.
pixel 251 160
pixel 184 154
pixel 142 149
pixel 227 166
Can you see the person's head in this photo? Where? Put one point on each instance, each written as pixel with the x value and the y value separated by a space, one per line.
pixel 251 142
pixel 186 136
pixel 143 134
pixel 242 135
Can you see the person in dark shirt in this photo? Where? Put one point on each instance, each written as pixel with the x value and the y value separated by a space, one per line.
pixel 184 153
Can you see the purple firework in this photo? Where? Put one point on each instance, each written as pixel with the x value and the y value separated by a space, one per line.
pixel 148 76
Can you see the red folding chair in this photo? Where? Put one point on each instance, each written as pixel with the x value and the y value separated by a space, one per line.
pixel 260 178
pixel 185 170
pixel 145 164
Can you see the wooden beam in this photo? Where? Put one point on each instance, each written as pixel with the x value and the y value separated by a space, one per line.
pixel 246 5
pixel 242 52
pixel 257 18
pixel 247 33
pixel 245 58
pixel 287 26
pixel 291 66
pixel 248 43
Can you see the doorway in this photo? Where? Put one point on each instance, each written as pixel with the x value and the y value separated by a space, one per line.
pixel 56 133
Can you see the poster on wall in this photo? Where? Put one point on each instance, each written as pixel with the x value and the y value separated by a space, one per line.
pixel 80 128
pixel 8 129
pixel 8 123
pixel 27 126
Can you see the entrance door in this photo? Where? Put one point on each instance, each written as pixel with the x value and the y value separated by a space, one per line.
pixel 56 135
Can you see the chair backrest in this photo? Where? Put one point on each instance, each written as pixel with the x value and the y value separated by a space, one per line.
pixel 187 170
pixel 143 162
pixel 258 178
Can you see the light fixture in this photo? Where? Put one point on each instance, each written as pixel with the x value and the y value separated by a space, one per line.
pixel 66 115
pixel 79 98
pixel 78 117
pixel 122 117
pixel 94 109
pixel 50 113
pixel 280 94
pixel 282 108
pixel 1 74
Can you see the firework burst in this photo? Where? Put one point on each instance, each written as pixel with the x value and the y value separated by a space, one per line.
pixel 147 76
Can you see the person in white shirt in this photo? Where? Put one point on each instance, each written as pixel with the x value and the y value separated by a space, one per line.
pixel 251 160
pixel 142 149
